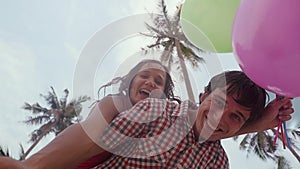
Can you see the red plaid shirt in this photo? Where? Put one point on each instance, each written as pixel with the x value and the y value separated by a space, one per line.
pixel 158 134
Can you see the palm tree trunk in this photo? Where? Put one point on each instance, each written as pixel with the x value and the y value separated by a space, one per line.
pixel 184 72
pixel 35 143
pixel 292 150
pixel 31 148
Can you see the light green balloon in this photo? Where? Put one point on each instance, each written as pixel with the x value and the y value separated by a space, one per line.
pixel 214 18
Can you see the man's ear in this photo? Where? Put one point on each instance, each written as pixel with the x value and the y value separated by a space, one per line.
pixel 202 96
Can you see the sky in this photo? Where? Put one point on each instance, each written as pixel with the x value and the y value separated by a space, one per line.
pixel 57 43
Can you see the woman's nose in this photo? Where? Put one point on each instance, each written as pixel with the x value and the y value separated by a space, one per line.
pixel 150 82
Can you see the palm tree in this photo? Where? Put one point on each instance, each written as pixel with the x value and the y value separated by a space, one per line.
pixel 7 154
pixel 169 36
pixel 4 152
pixel 54 119
pixel 283 163
pixel 296 134
pixel 261 143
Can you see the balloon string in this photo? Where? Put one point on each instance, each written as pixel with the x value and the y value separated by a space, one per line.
pixel 282 135
pixel 286 135
pixel 276 135
pixel 282 127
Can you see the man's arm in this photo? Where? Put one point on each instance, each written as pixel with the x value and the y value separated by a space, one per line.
pixel 271 116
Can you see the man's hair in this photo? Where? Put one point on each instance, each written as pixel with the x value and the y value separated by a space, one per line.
pixel 247 93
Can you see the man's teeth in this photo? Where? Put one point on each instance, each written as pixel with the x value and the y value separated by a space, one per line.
pixel 212 126
pixel 218 129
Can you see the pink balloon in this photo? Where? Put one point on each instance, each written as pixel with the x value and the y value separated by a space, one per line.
pixel 266 43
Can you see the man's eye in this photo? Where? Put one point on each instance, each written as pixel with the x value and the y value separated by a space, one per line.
pixel 236 117
pixel 220 103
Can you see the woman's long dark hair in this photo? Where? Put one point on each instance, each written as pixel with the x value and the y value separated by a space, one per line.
pixel 126 81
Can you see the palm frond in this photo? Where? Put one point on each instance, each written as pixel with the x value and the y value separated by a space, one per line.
pixel 190 55
pixel 82 99
pixel 167 56
pixel 259 143
pixel 296 132
pixel 42 131
pixel 37 120
pixel 244 143
pixel 157 32
pixel 163 6
pixel 35 108
pixel 294 140
pixel 265 145
pixel 4 152
pixel 235 138
pixel 22 152
pixel 258 152
pixel 283 163
pixel 54 99
pixel 196 50
pixel 51 99
pixel 63 100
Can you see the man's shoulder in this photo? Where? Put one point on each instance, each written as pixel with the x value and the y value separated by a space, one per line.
pixel 171 107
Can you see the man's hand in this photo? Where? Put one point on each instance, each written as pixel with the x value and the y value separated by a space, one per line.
pixel 275 111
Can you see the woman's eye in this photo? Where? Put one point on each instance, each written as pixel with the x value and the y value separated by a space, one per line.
pixel 144 76
pixel 159 82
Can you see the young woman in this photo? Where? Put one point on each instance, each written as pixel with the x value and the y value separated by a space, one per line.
pixel 77 143
pixel 149 78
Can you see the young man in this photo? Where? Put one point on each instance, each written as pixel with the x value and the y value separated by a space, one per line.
pixel 157 133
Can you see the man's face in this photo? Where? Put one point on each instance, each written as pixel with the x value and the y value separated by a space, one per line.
pixel 219 116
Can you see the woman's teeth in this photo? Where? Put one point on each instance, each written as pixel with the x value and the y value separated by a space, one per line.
pixel 145 92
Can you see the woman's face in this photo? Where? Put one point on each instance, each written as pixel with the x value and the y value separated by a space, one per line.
pixel 151 79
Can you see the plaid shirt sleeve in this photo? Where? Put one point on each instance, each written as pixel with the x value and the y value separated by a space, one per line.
pixel 127 126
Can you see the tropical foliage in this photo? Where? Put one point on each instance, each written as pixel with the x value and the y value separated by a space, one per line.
pixel 55 118
pixel 261 144
pixel 5 152
pixel 168 36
